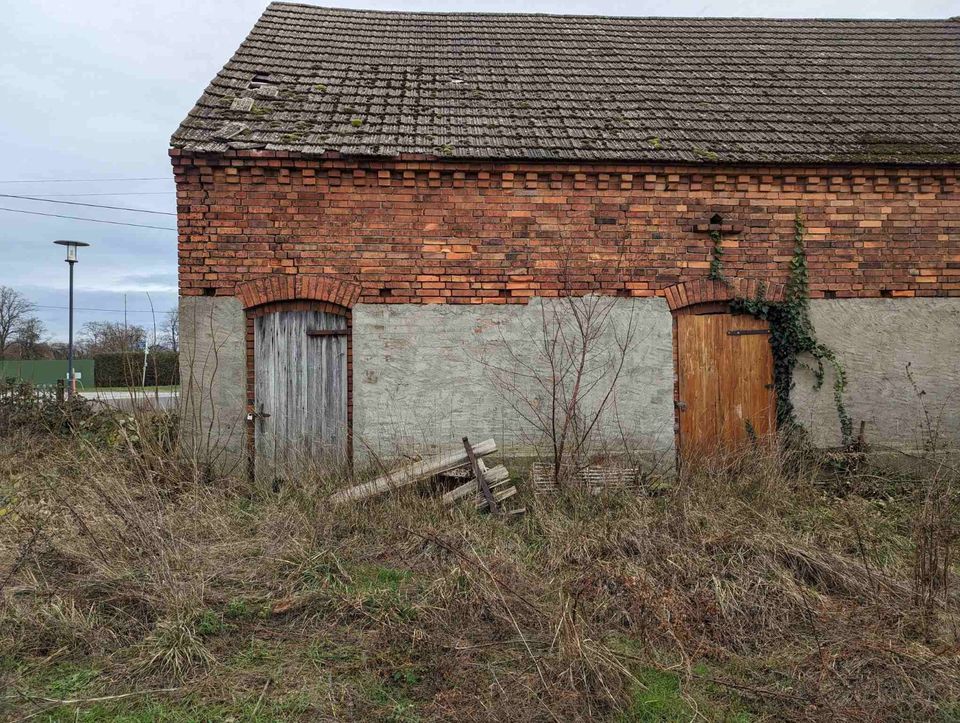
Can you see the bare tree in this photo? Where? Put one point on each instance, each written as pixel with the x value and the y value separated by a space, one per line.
pixel 14 309
pixel 170 329
pixel 99 337
pixel 29 337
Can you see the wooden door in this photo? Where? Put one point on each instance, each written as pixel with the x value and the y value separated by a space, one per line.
pixel 300 392
pixel 725 382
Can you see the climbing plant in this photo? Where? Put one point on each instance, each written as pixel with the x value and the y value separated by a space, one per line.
pixel 792 337
pixel 716 257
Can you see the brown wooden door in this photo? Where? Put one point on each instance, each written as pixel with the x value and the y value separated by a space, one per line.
pixel 300 361
pixel 725 382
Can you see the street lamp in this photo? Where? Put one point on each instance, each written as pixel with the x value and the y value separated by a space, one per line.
pixel 71 259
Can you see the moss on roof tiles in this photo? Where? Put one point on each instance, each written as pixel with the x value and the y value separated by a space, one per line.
pixel 720 89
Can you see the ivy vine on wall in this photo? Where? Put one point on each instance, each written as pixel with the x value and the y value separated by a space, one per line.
pixel 716 257
pixel 792 337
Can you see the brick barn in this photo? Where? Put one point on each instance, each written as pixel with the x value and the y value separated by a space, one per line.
pixel 370 203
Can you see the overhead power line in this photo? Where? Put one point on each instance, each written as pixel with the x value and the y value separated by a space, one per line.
pixel 91 220
pixel 89 205
pixel 86 180
pixel 88 308
pixel 119 193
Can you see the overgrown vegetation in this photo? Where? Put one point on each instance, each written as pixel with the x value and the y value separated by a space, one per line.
pixel 793 340
pixel 760 587
pixel 716 256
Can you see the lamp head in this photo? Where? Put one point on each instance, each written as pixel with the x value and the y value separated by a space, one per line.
pixel 72 247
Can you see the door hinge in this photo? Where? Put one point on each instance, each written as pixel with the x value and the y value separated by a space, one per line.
pixel 680 405
pixel 747 332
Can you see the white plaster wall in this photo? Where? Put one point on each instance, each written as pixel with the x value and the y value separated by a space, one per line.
pixel 875 339
pixel 213 380
pixel 426 375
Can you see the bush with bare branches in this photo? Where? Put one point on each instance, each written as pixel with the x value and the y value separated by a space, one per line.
pixel 131 586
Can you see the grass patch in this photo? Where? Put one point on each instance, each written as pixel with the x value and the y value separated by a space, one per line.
pixel 764 588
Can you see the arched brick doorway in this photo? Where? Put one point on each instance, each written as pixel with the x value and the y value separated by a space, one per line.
pixel 723 384
pixel 299 372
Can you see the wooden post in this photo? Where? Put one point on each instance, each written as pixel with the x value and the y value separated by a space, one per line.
pixel 481 480
pixel 60 391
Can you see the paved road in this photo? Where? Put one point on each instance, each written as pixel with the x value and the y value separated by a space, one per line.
pixel 128 399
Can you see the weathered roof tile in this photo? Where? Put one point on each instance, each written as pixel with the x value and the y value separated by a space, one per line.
pixel 547 87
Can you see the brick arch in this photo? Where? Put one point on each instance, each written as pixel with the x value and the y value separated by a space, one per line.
pixel 704 291
pixel 297 287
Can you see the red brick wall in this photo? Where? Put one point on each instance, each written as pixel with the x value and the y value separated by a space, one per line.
pixel 451 232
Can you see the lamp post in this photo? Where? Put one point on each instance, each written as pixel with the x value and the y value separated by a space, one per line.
pixel 71 259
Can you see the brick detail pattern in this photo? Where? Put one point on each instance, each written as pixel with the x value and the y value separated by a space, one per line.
pixel 458 232
pixel 306 287
pixel 255 310
pixel 705 291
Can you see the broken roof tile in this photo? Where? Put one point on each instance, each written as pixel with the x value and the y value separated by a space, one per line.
pixel 516 87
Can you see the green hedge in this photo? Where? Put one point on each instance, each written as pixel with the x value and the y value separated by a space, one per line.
pixel 124 369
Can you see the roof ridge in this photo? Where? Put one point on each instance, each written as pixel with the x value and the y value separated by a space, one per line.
pixel 567 16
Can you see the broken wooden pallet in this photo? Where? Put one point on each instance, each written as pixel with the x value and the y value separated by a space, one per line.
pixel 488 487
pixel 415 472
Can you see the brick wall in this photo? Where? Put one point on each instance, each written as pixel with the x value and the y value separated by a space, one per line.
pixel 451 232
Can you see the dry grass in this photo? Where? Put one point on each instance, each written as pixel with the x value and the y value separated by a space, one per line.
pixel 743 593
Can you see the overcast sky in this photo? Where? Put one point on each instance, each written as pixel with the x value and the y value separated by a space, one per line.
pixel 93 90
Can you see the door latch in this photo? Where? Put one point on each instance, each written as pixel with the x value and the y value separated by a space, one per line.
pixel 747 332
pixel 681 406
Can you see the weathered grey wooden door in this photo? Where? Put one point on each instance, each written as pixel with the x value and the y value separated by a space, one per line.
pixel 300 392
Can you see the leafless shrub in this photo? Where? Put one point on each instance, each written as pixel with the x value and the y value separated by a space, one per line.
pixel 563 382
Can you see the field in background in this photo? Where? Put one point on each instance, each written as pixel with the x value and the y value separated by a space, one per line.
pixel 138 586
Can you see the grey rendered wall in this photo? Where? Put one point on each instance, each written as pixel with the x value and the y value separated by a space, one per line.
pixel 875 339
pixel 426 375
pixel 213 378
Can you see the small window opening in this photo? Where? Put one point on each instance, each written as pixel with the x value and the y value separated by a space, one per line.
pixel 830 294
pixel 716 219
pixel 886 293
pixel 209 291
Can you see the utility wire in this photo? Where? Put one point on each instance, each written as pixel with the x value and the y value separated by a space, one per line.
pixel 91 220
pixel 120 193
pixel 87 180
pixel 87 308
pixel 89 205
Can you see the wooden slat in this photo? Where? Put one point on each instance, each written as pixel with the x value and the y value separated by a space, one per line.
pixel 745 396
pixel 493 477
pixel 499 496
pixel 413 472
pixel 478 473
pixel 697 350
